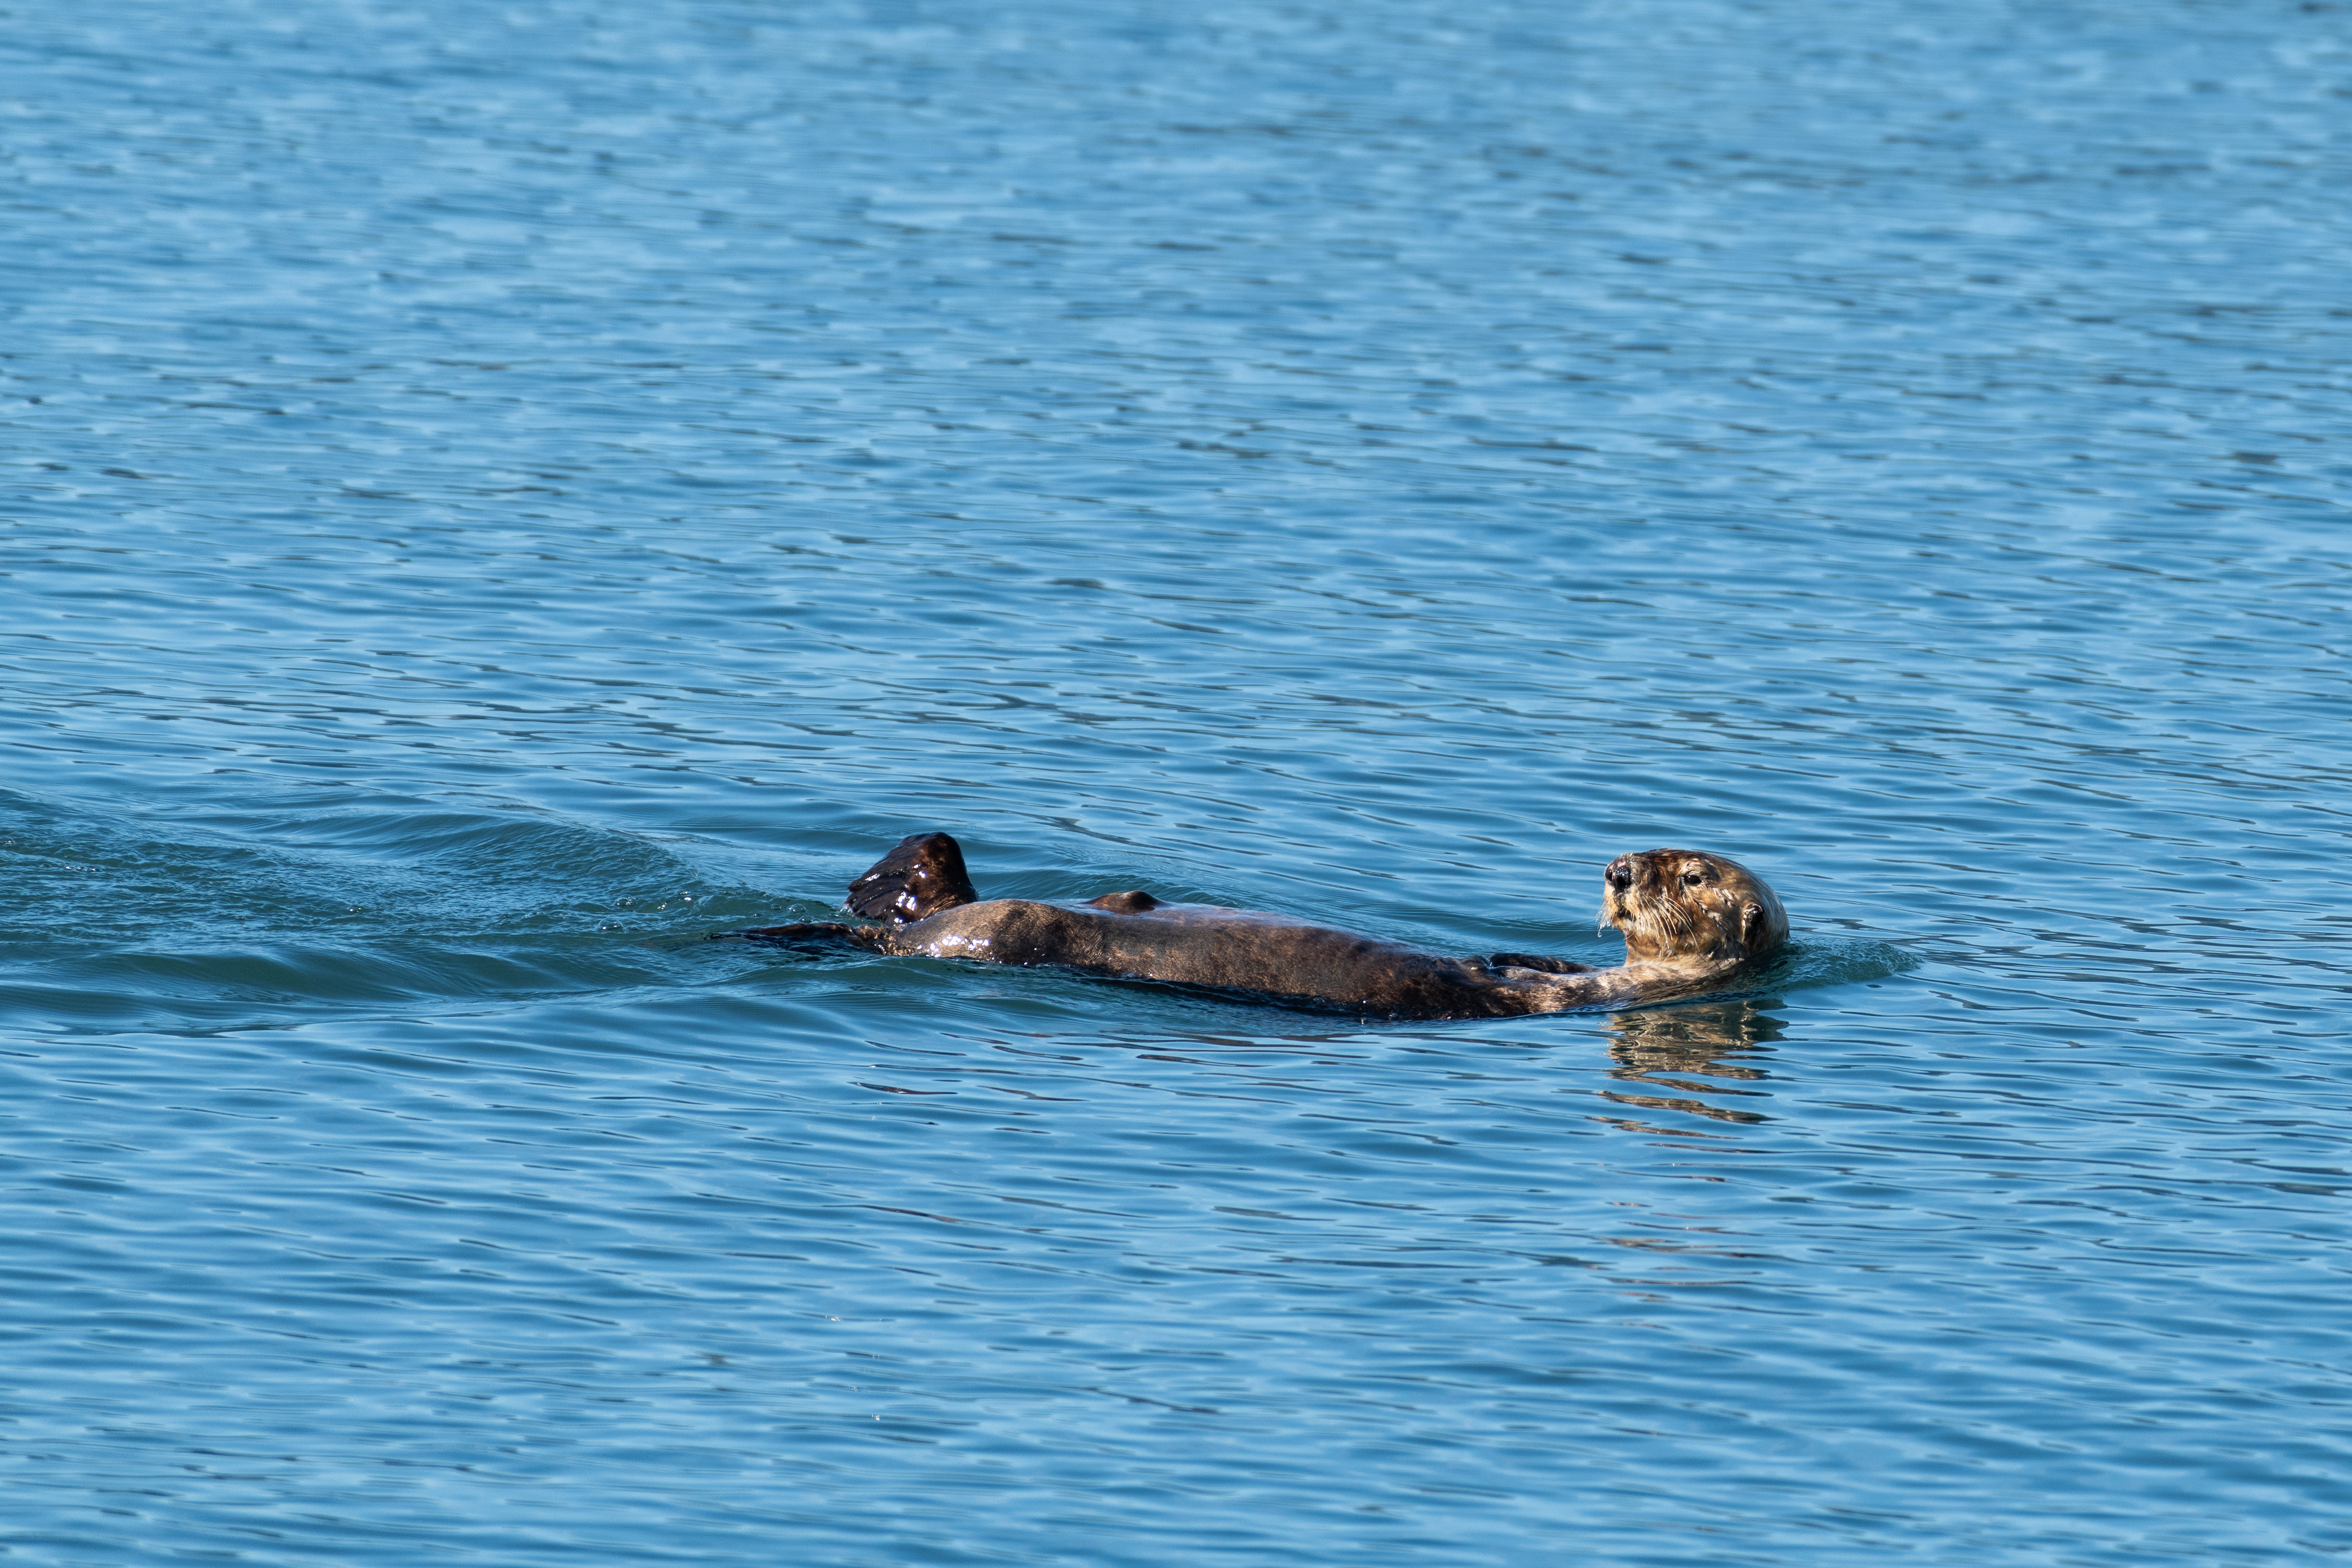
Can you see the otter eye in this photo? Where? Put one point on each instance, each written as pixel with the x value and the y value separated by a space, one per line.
pixel 1694 875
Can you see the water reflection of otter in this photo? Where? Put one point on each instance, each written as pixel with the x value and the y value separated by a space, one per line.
pixel 1690 920
pixel 1668 1048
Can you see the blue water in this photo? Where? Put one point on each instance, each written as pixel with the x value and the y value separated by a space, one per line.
pixel 496 493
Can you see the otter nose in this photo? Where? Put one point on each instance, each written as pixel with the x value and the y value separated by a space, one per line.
pixel 1619 876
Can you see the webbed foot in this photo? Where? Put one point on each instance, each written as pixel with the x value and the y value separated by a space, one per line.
pixel 922 874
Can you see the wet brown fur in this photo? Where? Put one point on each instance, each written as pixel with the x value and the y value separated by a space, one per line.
pixel 1689 919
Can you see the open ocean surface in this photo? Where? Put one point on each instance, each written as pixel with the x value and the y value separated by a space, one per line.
pixel 495 493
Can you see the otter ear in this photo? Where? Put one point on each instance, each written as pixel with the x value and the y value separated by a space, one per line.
pixel 1754 926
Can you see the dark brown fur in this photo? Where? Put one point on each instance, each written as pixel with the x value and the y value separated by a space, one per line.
pixel 1689 919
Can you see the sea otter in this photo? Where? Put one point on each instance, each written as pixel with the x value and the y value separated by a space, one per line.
pixel 1689 919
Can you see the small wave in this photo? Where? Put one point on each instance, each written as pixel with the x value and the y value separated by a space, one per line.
pixel 1835 961
pixel 1807 965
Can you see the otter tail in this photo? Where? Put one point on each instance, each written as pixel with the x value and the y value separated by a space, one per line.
pixel 922 876
pixel 818 934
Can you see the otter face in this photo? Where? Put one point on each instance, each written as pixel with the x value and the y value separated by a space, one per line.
pixel 1681 904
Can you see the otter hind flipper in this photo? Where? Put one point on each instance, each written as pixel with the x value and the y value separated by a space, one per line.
pixel 922 874
pixel 1537 963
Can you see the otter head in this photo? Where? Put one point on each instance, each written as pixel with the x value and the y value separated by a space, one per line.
pixel 1683 906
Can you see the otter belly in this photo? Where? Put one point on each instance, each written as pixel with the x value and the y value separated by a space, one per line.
pixel 1192 944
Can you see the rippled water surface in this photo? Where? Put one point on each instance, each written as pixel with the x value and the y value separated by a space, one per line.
pixel 497 493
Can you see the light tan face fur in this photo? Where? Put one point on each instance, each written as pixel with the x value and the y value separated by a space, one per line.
pixel 1683 905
